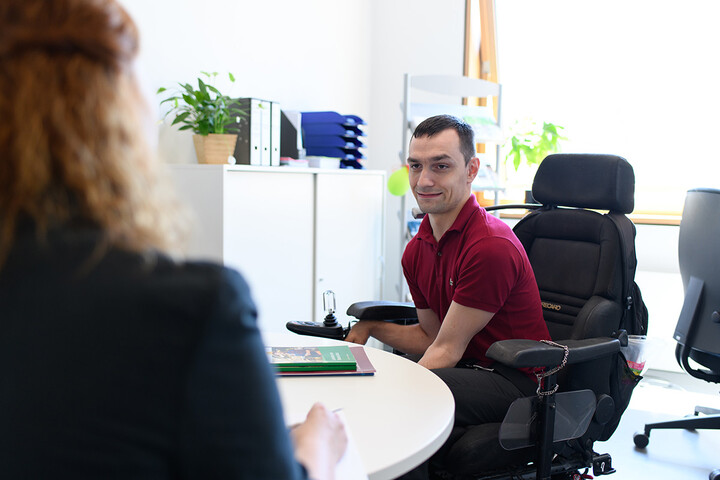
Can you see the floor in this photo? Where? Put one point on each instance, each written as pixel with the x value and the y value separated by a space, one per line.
pixel 671 454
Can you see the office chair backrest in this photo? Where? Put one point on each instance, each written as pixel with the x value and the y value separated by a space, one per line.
pixel 583 260
pixel 698 329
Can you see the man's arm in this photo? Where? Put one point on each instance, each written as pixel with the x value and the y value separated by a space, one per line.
pixel 412 339
pixel 460 325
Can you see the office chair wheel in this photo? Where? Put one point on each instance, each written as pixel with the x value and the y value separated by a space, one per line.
pixel 714 475
pixel 641 440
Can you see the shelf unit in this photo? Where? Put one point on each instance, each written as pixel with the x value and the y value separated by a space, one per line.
pixel 447 93
pixel 451 90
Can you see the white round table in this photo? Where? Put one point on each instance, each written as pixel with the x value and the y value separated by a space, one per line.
pixel 398 417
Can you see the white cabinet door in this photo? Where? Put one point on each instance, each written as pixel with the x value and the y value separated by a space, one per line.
pixel 268 236
pixel 292 234
pixel 349 238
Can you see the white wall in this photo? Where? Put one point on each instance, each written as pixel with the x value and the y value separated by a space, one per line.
pixel 348 56
pixel 409 36
pixel 308 55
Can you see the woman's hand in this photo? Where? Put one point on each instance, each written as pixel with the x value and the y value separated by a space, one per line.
pixel 320 442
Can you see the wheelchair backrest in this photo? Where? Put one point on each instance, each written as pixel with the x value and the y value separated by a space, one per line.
pixel 584 260
pixel 584 263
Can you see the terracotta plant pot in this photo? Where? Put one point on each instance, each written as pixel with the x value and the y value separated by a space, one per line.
pixel 215 148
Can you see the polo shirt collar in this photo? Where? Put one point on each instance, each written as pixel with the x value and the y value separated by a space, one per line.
pixel 471 206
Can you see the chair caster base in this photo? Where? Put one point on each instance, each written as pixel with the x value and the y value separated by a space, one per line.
pixel 641 440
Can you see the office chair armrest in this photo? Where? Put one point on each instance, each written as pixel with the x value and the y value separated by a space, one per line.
pixel 522 353
pixel 382 310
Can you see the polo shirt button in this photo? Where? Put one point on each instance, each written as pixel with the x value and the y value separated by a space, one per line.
pixel 439 254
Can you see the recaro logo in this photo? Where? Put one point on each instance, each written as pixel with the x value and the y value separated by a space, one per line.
pixel 551 306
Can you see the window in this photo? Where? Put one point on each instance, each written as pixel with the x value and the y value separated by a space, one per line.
pixel 636 79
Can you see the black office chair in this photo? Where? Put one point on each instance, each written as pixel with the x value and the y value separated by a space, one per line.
pixel 698 327
pixel 584 263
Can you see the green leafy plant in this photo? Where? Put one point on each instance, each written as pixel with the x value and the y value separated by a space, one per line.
pixel 532 143
pixel 203 109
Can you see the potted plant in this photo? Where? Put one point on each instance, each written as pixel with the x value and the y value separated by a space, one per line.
pixel 208 113
pixel 531 143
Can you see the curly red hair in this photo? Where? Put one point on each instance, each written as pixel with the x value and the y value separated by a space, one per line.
pixel 72 146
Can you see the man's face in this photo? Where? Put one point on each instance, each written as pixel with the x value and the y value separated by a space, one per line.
pixel 439 178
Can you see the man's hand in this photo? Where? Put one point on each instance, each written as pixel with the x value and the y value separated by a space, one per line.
pixel 360 332
pixel 407 338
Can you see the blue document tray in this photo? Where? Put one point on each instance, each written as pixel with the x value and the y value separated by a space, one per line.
pixel 332 129
pixel 331 117
pixel 334 152
pixel 351 164
pixel 331 141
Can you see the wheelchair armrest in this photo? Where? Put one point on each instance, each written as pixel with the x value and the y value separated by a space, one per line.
pixel 521 353
pixel 591 348
pixel 382 310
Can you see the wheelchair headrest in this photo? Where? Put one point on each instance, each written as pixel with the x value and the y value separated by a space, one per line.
pixel 602 182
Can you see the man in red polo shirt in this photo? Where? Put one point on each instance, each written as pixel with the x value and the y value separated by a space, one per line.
pixel 469 277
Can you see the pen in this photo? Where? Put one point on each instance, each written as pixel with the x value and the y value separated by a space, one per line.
pixel 336 410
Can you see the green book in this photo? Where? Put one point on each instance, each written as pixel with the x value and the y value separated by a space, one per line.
pixel 301 359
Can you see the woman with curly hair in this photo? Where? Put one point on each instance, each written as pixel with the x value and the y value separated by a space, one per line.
pixel 116 359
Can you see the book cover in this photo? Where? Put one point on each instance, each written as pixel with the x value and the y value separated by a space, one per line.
pixel 311 358
pixel 364 367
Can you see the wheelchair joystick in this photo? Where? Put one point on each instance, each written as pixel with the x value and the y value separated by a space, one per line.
pixel 329 307
pixel 328 328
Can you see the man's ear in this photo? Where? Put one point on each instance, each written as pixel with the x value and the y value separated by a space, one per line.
pixel 473 167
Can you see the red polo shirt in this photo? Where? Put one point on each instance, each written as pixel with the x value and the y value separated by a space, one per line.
pixel 478 263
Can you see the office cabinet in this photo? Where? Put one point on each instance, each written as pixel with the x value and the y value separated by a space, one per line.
pixel 349 237
pixel 292 233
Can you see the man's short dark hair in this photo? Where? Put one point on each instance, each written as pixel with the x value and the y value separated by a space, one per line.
pixel 439 123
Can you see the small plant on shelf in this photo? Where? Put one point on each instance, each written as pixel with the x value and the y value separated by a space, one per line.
pixel 208 113
pixel 530 143
pixel 204 110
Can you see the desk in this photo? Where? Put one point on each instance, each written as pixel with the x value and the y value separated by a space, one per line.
pixel 398 417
